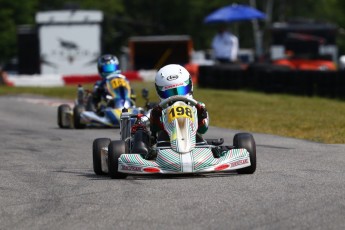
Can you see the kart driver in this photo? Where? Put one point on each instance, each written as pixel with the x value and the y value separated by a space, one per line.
pixel 174 80
pixel 107 65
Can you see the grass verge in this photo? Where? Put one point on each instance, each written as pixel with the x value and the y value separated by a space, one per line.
pixel 310 118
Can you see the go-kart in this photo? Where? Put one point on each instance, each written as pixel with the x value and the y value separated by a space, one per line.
pixel 179 148
pixel 84 114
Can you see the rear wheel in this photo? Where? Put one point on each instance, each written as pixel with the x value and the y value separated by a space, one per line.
pixel 62 119
pixel 115 149
pixel 246 141
pixel 78 109
pixel 97 146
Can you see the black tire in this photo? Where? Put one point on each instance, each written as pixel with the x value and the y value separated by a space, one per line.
pixel 62 120
pixel 246 140
pixel 97 145
pixel 115 149
pixel 78 109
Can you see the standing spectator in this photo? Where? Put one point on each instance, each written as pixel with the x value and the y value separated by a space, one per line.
pixel 225 46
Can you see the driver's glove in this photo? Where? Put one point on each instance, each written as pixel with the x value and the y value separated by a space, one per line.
pixel 202 111
pixel 155 120
pixel 202 118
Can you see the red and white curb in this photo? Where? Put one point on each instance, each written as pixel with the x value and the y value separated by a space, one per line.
pixel 53 80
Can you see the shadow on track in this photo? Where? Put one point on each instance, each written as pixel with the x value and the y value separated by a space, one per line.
pixel 90 175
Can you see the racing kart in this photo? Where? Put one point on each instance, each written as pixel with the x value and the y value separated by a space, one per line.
pixel 84 114
pixel 179 149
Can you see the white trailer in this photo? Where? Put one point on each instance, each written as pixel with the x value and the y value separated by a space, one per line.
pixel 69 41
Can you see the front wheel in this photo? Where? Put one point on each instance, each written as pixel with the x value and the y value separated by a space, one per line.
pixel 115 149
pixel 97 146
pixel 78 109
pixel 246 141
pixel 62 116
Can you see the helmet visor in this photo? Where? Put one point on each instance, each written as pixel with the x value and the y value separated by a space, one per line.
pixel 181 90
pixel 108 68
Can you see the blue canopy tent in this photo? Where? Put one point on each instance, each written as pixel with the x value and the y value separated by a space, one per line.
pixel 235 13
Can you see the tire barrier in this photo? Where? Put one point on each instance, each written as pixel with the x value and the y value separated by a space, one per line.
pixel 228 76
pixel 273 79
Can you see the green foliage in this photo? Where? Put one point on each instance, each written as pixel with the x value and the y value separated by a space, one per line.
pixel 7 37
pixel 13 13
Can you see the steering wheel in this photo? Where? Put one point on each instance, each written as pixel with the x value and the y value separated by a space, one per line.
pixel 177 98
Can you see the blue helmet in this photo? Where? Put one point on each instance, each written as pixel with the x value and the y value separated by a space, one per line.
pixel 108 64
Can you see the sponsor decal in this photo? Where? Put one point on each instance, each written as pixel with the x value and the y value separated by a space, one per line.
pixel 172 86
pixel 151 170
pixel 130 168
pixel 172 77
pixel 222 167
pixel 240 162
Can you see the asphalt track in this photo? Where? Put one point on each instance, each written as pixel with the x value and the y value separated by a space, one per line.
pixel 47 182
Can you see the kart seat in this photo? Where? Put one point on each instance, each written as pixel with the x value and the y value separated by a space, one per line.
pixel 163 139
pixel 140 142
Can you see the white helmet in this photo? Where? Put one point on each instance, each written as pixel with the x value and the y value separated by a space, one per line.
pixel 173 80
